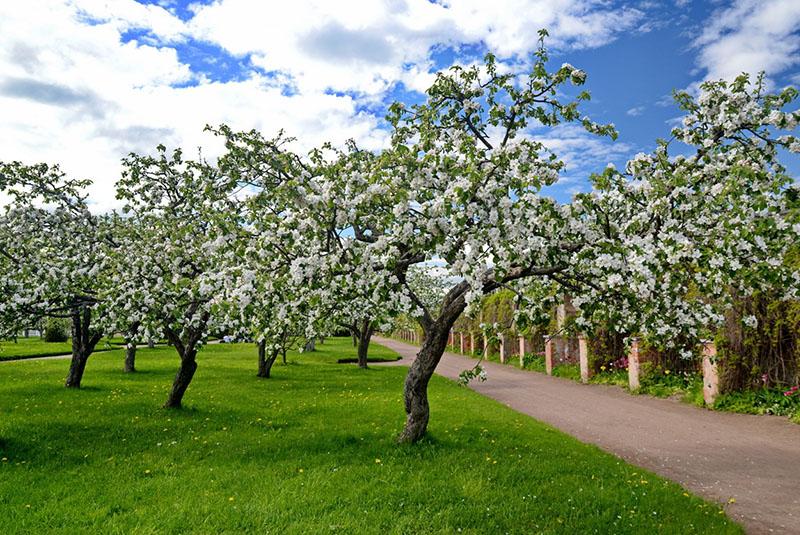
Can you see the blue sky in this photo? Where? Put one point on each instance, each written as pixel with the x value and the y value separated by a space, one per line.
pixel 83 82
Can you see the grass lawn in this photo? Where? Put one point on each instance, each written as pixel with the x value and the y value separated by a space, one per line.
pixel 32 347
pixel 36 347
pixel 309 451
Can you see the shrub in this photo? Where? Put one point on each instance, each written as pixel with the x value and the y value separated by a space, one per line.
pixel 777 401
pixel 56 330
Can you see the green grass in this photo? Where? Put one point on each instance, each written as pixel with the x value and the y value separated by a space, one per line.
pixel 24 348
pixel 761 401
pixel 32 347
pixel 311 450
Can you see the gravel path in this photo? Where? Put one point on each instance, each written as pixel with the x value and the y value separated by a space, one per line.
pixel 754 460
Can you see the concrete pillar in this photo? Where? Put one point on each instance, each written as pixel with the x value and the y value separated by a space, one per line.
pixel 633 365
pixel 548 355
pixel 710 372
pixel 583 357
pixel 461 335
pixel 471 343
pixel 485 345
pixel 523 348
pixel 503 349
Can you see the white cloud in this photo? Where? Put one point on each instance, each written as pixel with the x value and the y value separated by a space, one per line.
pixel 635 111
pixel 750 36
pixel 367 45
pixel 72 92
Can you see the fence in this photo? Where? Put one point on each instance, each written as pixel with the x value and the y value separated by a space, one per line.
pixel 559 350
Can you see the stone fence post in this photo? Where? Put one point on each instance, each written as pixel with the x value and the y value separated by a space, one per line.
pixel 633 365
pixel 503 349
pixel 524 347
pixel 710 372
pixel 583 355
pixel 462 342
pixel 548 355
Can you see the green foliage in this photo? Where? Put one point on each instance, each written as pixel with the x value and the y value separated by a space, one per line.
pixel 663 382
pixel 499 308
pixel 229 463
pixel 611 377
pixel 766 353
pixel 56 330
pixel 760 401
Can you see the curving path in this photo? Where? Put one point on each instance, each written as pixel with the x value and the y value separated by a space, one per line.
pixel 754 460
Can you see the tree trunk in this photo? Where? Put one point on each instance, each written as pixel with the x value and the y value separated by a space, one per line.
pixel 151 343
pixel 76 368
pixel 182 379
pixel 415 391
pixel 130 358
pixel 365 334
pixel 83 343
pixel 265 363
pixel 311 345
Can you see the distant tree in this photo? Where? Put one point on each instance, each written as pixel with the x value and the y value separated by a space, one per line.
pixel 52 252
pixel 177 259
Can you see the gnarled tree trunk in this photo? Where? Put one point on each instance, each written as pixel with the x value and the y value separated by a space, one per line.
pixel 364 336
pixel 264 362
pixel 182 379
pixel 186 346
pixel 83 343
pixel 415 390
pixel 130 349
pixel 130 358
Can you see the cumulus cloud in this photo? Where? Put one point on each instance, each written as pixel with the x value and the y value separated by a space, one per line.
pixel 750 36
pixel 367 45
pixel 83 82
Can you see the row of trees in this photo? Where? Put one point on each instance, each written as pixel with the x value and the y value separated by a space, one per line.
pixel 274 244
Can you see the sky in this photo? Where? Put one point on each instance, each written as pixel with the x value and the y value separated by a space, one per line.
pixel 85 82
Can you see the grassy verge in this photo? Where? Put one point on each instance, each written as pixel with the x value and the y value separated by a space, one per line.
pixel 26 348
pixel 311 450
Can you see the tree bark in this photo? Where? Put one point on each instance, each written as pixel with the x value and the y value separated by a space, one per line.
pixel 435 337
pixel 186 346
pixel 182 379
pixel 83 343
pixel 130 358
pixel 364 336
pixel 130 349
pixel 265 363
pixel 415 391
